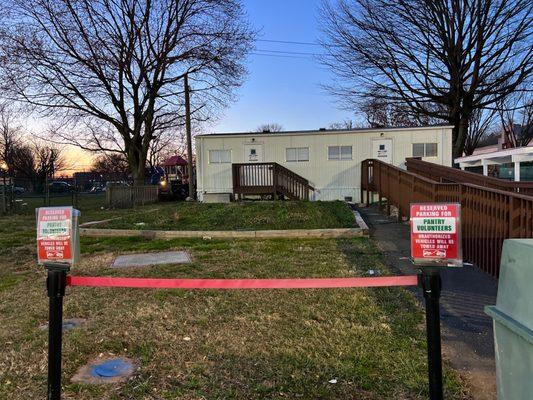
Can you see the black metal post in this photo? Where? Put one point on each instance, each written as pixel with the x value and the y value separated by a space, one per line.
pixel 432 285
pixel 56 283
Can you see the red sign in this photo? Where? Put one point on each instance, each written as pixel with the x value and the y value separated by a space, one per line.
pixel 436 234
pixel 54 234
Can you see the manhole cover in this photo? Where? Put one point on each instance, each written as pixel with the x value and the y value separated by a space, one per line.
pixel 112 368
pixel 106 370
pixel 68 324
pixel 146 259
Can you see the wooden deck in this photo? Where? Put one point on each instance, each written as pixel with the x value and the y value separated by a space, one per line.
pixel 273 179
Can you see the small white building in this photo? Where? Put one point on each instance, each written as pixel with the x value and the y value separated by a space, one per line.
pixel 504 157
pixel 329 159
pixel 498 157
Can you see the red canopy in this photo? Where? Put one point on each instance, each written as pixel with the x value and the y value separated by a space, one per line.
pixel 175 160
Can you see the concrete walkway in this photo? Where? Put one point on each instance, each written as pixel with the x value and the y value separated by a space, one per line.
pixel 466 331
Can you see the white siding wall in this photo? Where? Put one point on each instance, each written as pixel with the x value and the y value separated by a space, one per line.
pixel 333 179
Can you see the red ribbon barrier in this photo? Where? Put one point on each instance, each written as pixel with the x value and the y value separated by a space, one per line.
pixel 315 283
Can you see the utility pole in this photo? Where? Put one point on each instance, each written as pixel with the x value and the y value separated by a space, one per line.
pixel 189 138
pixel 4 169
pixel 4 193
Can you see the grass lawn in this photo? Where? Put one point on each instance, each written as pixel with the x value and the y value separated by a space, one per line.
pixel 256 215
pixel 271 344
pixel 239 216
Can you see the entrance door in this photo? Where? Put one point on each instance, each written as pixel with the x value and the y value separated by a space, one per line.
pixel 382 150
pixel 253 153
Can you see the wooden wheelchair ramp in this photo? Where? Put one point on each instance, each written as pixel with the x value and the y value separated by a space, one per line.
pixel 489 216
pixel 443 174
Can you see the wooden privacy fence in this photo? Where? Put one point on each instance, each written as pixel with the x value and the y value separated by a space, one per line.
pixel 441 173
pixel 489 216
pixel 269 178
pixel 130 196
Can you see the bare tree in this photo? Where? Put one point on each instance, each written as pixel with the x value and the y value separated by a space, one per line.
pixel 462 55
pixel 516 118
pixel 112 166
pixel 480 126
pixel 380 113
pixel 10 135
pixel 36 163
pixel 28 159
pixel 115 67
pixel 346 124
pixel 166 144
pixel 48 160
pixel 270 127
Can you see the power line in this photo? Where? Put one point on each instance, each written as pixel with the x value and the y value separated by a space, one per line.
pixel 290 52
pixel 280 56
pixel 288 42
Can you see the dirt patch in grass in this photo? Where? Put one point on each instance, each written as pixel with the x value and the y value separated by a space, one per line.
pixel 263 344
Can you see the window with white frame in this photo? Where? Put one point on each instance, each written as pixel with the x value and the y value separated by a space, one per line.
pixel 431 149
pixel 219 156
pixel 418 149
pixel 425 150
pixel 339 152
pixel 296 154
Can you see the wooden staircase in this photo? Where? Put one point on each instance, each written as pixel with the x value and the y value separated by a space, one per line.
pixel 269 179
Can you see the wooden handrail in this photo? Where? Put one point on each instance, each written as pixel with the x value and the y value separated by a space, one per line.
pixel 489 216
pixel 297 177
pixel 268 178
pixel 442 173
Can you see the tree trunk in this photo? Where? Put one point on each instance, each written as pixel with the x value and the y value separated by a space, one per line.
pixel 460 132
pixel 137 163
pixel 139 175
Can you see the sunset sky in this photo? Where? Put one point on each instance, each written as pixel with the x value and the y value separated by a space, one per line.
pixel 283 84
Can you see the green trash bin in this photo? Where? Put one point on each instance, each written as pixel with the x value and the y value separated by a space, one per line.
pixel 513 321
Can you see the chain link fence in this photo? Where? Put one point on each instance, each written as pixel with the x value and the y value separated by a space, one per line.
pixel 87 192
pixel 23 196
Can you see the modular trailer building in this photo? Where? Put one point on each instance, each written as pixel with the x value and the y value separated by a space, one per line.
pixel 329 159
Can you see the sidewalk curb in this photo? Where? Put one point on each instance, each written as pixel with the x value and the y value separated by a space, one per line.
pixel 261 234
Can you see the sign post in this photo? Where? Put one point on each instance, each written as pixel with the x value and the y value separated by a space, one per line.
pixel 56 282
pixel 431 285
pixel 435 244
pixel 57 250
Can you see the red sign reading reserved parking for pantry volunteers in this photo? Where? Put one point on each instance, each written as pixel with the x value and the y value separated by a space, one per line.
pixel 436 234
pixel 54 234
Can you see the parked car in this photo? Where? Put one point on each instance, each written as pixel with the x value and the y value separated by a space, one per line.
pixel 97 188
pixel 17 190
pixel 116 183
pixel 59 187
